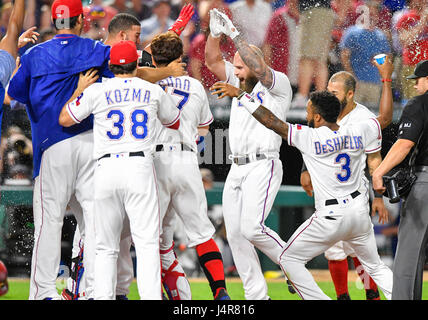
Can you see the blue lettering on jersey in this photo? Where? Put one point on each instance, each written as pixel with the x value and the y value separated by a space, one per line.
pixel 259 96
pixel 339 143
pixel 136 95
pixel 147 97
pixel 109 100
pixel 123 95
pixel 178 83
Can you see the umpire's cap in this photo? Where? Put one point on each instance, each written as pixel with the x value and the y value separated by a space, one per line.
pixel 421 70
pixel 65 9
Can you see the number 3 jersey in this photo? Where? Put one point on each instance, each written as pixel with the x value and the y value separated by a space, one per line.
pixel 125 113
pixel 336 159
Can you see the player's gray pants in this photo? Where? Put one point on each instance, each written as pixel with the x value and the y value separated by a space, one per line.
pixel 67 169
pixel 248 196
pixel 412 240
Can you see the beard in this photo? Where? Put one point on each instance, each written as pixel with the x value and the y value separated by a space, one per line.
pixel 311 123
pixel 248 84
pixel 343 103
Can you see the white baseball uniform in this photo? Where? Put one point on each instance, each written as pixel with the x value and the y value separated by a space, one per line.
pixel 253 182
pixel 341 250
pixel 336 162
pixel 125 113
pixel 176 162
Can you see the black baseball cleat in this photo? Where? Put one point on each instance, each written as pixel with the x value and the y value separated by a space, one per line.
pixel 372 294
pixel 290 287
pixel 121 297
pixel 344 296
pixel 222 295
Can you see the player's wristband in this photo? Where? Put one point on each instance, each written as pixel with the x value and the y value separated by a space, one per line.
pixel 386 80
pixel 248 102
pixel 376 194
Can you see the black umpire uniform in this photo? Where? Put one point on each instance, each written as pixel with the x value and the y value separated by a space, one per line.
pixel 413 228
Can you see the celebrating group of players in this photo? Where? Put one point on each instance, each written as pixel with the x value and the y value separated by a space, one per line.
pixel 118 144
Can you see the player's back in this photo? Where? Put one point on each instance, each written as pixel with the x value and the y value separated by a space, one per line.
pixel 191 100
pixel 125 115
pixel 335 159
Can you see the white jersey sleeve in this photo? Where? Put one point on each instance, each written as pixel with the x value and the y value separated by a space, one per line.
pixel 230 75
pixel 372 135
pixel 300 136
pixel 81 107
pixel 168 114
pixel 205 117
pixel 279 82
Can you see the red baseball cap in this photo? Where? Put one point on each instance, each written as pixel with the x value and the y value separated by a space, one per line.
pixel 64 9
pixel 123 52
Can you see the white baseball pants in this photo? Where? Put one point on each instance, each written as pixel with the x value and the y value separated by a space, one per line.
pixel 348 221
pixel 126 186
pixel 181 191
pixel 66 169
pixel 248 196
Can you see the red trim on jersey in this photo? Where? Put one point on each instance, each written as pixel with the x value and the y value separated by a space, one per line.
pixel 175 125
pixel 72 115
pixel 173 121
pixel 206 123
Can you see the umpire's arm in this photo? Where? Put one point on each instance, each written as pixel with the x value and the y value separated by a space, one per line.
pixel 395 156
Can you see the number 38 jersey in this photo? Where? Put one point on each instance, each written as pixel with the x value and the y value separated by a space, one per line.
pixel 335 159
pixel 125 114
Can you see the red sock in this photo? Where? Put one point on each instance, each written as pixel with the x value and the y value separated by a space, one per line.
pixel 368 282
pixel 339 275
pixel 212 263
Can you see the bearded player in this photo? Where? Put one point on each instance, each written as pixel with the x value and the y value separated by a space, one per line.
pixel 256 172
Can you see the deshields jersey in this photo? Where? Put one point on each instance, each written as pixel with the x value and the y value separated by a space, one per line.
pixel 125 113
pixel 191 100
pixel 335 159
pixel 246 134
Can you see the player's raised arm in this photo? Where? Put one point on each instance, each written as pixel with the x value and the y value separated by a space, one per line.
pixel 251 55
pixel 9 42
pixel 264 115
pixel 66 118
pixel 386 102
pixel 213 57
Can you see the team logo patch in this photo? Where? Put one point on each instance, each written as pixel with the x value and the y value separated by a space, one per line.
pixel 299 127
pixel 78 99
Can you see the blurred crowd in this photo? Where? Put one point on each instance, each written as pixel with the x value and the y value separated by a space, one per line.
pixel 307 39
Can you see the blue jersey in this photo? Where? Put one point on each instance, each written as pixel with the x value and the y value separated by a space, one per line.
pixel 46 80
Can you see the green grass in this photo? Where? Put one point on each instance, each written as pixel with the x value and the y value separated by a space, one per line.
pixel 18 290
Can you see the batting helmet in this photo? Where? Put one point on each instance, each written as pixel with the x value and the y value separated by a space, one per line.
pixel 4 286
pixel 398 182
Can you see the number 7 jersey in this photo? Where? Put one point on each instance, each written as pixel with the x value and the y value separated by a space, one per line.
pixel 336 159
pixel 125 114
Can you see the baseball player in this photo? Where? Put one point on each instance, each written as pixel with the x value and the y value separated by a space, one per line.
pixel 122 27
pixel 342 84
pixel 125 110
pixel 9 48
pixel 256 172
pixel 180 183
pixel 62 164
pixel 334 156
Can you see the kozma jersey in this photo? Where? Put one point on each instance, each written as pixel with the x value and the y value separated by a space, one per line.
pixel 125 113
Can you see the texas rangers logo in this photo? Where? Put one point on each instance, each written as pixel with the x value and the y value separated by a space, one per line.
pixel 78 99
